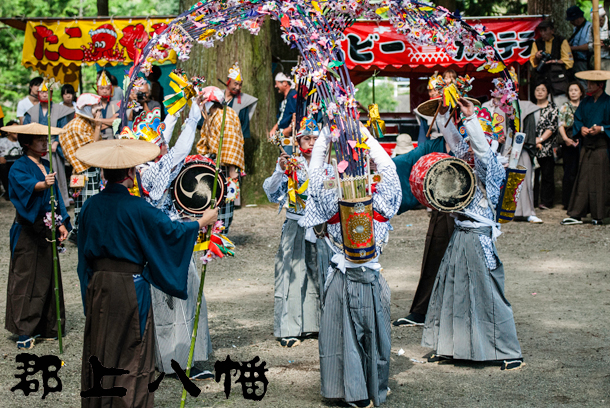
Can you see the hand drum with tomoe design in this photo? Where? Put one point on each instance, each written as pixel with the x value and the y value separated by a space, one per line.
pixel 442 182
pixel 192 188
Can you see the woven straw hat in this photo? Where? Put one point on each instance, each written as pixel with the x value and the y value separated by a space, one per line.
pixel 31 129
pixel 117 153
pixel 429 107
pixel 593 75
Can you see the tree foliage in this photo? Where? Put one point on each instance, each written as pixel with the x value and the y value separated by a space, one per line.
pixel 384 94
pixel 14 77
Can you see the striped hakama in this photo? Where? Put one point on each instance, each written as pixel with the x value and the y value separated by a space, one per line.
pixel 174 322
pixel 469 317
pixel 300 266
pixel 355 337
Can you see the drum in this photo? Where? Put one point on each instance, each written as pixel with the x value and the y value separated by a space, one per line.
pixel 442 182
pixel 357 229
pixel 509 194
pixel 192 189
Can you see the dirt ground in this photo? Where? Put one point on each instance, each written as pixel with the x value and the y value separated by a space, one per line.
pixel 556 279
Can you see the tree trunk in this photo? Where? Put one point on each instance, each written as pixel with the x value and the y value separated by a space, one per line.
pixel 102 8
pixel 253 52
pixel 555 9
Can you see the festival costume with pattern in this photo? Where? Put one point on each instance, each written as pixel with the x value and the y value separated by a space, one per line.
pixel 232 151
pixel 468 316
pixel 174 317
pixel 301 261
pixel 354 335
pixel 30 301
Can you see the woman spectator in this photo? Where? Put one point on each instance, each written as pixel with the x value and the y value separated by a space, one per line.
pixel 570 141
pixel 68 95
pixel 546 128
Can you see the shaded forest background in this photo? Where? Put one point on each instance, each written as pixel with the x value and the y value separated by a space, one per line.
pixel 257 55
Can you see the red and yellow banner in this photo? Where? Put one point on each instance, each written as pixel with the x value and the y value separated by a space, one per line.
pixel 58 48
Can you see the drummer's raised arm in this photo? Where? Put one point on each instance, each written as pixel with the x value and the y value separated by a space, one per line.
pixel 452 136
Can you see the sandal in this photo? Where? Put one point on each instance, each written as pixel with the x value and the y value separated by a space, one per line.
pixel 512 364
pixel 570 221
pixel 25 343
pixel 289 342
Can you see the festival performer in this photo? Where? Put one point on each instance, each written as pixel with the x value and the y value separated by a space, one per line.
pixel 30 306
pixel 120 235
pixel 242 103
pixel 110 107
pixel 232 160
pixel 426 118
pixel 440 229
pixel 174 317
pixel 302 259
pixel 84 128
pixel 354 337
pixel 468 316
pixel 288 107
pixel 591 192
pixel 60 116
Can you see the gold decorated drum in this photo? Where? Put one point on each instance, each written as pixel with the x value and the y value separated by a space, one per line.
pixel 357 229
pixel 509 194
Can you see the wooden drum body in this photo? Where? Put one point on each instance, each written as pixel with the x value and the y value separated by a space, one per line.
pixel 442 182
pixel 357 229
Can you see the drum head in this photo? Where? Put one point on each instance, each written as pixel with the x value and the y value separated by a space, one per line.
pixel 192 189
pixel 449 185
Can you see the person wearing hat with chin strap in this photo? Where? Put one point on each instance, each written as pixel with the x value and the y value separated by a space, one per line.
pixel 591 192
pixel 30 306
pixel 119 257
pixel 288 106
pixel 302 259
pixel 83 129
pixel 232 160
pixel 242 103
pixel 60 116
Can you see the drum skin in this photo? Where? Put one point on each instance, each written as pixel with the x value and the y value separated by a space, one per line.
pixel 192 189
pixel 442 182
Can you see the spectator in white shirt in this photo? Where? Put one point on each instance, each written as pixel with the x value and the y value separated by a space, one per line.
pixel 26 103
pixel 10 150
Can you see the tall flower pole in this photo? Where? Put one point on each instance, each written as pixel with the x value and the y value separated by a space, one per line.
pixel 53 226
pixel 204 266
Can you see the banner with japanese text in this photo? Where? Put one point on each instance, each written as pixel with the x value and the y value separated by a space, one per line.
pixel 369 44
pixel 58 48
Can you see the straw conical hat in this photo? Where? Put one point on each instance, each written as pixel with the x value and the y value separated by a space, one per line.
pixel 31 129
pixel 117 153
pixel 429 107
pixel 593 75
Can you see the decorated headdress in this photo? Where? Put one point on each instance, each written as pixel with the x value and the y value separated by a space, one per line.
pixel 281 77
pixel 44 87
pixel 147 127
pixel 235 72
pixel 185 90
pixel 434 80
pixel 308 127
pixel 211 94
pixel 85 102
pixel 103 79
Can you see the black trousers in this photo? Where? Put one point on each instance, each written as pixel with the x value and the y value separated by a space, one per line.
pixel 544 182
pixel 570 171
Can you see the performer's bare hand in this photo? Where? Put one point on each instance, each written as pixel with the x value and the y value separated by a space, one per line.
pixel 49 180
pixel 63 233
pixel 502 139
pixel 283 159
pixel 466 106
pixel 444 107
pixel 209 217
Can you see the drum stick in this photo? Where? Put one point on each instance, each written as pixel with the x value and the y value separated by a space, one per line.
pixel 438 108
pixel 204 266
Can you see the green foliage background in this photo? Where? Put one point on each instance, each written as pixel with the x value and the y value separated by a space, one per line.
pixel 14 77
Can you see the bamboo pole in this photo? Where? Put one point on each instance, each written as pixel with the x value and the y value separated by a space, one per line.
pixel 204 266
pixel 597 48
pixel 53 234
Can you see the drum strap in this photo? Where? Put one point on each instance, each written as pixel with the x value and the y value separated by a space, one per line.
pixel 335 219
